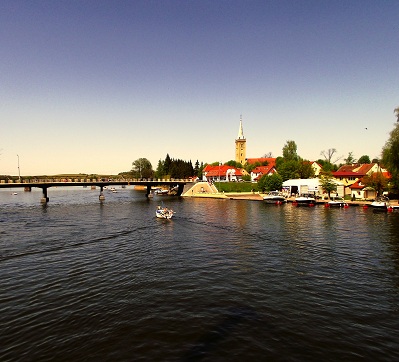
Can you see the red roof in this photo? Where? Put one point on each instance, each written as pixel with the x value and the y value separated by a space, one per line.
pixel 357 185
pixel 347 174
pixel 221 170
pixel 270 160
pixel 264 170
pixel 347 168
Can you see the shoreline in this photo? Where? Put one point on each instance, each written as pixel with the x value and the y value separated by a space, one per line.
pixel 250 196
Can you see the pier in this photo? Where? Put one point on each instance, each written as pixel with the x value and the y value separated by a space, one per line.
pixel 177 184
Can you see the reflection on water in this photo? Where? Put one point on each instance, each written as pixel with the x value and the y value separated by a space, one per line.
pixel 223 280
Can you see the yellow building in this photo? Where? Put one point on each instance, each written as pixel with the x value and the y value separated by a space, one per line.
pixel 241 146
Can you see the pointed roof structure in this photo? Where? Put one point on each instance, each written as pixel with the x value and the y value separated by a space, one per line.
pixel 241 131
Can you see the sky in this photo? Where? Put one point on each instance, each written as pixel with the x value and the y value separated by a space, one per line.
pixel 91 86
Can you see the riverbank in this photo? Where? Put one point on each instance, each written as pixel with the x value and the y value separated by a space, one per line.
pixel 256 196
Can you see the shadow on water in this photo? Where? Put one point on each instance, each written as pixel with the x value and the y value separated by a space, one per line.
pixel 209 341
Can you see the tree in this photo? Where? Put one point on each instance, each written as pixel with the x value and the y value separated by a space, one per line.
pixel 289 151
pixel 305 169
pixel 166 165
pixel 396 111
pixel 364 159
pixel 329 154
pixel 288 169
pixel 327 183
pixel 269 183
pixel 377 181
pixel 142 168
pixel 159 173
pixel 327 166
pixel 390 155
pixel 268 155
pixel 233 163
pixel 196 168
pixel 350 159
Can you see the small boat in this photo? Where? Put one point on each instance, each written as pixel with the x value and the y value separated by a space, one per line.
pixel 336 203
pixel 161 192
pixel 164 213
pixel 381 203
pixel 274 197
pixel 15 193
pixel 305 199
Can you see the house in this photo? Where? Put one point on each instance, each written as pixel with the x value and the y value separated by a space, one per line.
pixel 221 173
pixel 359 191
pixel 259 171
pixel 351 175
pixel 317 168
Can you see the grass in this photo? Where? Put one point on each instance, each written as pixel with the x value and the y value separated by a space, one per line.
pixel 236 186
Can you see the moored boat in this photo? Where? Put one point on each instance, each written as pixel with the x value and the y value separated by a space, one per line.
pixel 305 199
pixel 336 203
pixel 381 203
pixel 274 197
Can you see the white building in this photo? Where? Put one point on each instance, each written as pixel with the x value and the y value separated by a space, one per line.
pixel 310 185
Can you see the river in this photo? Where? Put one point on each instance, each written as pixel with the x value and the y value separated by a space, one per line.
pixel 224 280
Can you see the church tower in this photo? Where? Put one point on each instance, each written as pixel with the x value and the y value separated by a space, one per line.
pixel 241 147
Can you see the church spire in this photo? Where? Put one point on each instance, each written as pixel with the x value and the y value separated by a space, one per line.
pixel 240 131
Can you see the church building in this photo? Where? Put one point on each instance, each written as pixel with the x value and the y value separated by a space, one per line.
pixel 241 146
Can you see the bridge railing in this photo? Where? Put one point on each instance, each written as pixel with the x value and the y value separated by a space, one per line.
pixel 87 180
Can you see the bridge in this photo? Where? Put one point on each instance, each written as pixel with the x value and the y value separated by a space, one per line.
pixel 175 184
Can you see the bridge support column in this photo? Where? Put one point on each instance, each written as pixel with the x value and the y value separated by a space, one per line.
pixel 44 199
pixel 101 197
pixel 148 191
pixel 180 189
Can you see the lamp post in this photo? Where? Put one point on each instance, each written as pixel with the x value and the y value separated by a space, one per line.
pixel 219 174
pixel 19 172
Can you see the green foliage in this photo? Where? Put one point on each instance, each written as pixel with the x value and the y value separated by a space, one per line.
pixel 390 155
pixel 233 164
pixel 377 181
pixel 142 168
pixel 270 183
pixel 327 183
pixel 364 159
pixel 305 169
pixel 171 168
pixel 290 151
pixel 252 166
pixel 288 169
pixel 327 166
pixel 350 159
pixel 246 177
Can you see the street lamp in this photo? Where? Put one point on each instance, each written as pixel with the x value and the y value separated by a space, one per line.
pixel 19 172
pixel 219 174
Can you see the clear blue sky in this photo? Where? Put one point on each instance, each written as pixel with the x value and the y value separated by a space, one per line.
pixel 90 86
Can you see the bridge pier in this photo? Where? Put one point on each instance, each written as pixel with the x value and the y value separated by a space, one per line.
pixel 180 190
pixel 148 191
pixel 45 199
pixel 101 197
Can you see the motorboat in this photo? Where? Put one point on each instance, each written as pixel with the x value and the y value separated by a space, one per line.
pixel 336 203
pixel 381 203
pixel 305 199
pixel 164 213
pixel 274 197
pixel 160 191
